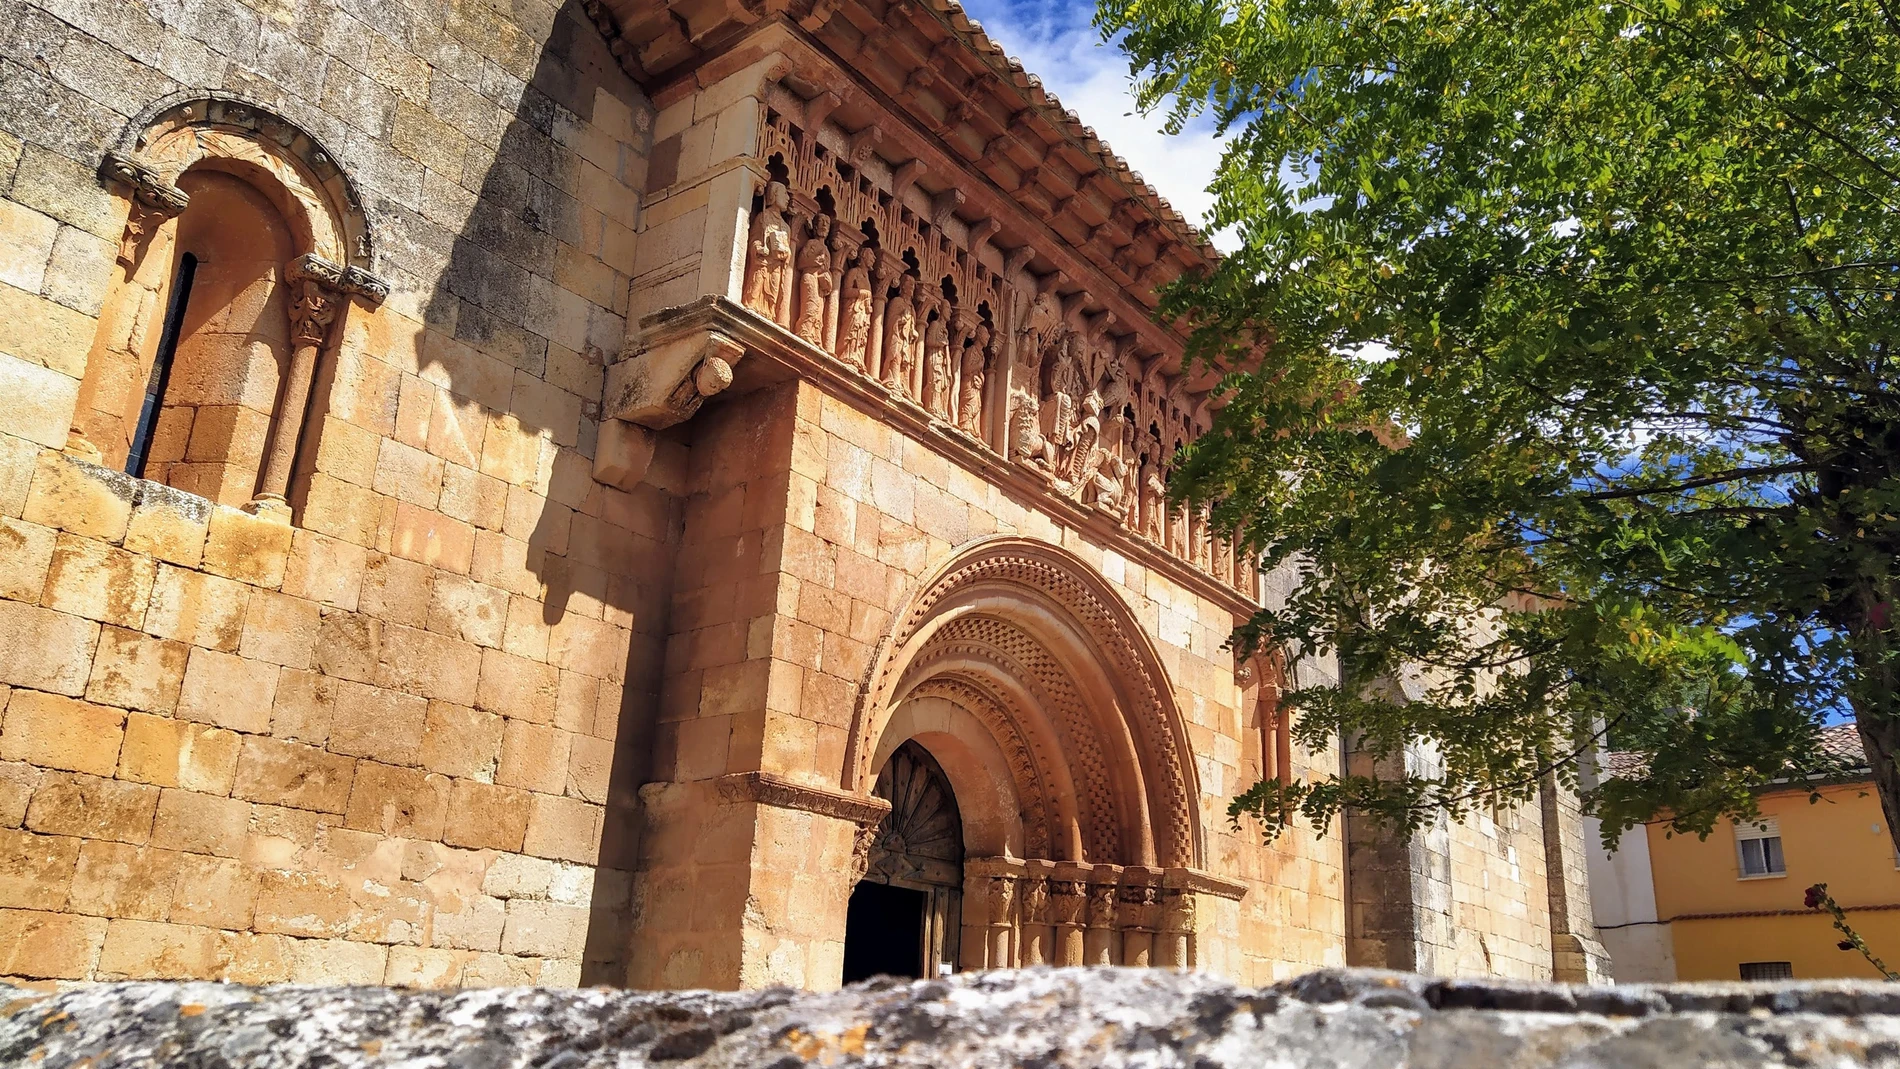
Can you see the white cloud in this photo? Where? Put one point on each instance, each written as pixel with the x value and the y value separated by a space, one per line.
pixel 1058 45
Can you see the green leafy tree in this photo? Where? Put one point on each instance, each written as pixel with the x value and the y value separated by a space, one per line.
pixel 1579 412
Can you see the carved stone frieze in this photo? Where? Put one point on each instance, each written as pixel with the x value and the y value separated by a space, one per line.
pixel 858 258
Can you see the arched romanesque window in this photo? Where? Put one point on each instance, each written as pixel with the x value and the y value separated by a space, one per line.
pixel 243 245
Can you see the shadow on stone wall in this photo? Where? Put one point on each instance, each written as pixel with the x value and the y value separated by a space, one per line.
pixel 523 297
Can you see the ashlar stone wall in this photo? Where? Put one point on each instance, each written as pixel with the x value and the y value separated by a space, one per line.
pixel 379 743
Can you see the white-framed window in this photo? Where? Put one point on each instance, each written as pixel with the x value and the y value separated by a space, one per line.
pixel 1767 970
pixel 1758 849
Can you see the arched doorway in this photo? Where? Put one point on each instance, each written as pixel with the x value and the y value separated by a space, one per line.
pixel 904 917
pixel 1041 699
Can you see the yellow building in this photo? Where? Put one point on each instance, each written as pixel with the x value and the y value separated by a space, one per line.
pixel 1730 906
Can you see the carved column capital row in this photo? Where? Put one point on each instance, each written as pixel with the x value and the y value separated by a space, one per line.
pixel 1066 913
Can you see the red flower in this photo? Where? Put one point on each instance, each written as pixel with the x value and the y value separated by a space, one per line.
pixel 1846 944
pixel 1816 895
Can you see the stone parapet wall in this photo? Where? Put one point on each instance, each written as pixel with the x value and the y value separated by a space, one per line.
pixel 1060 1019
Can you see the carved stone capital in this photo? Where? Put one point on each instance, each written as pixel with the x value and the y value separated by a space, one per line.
pixel 862 840
pixel 316 293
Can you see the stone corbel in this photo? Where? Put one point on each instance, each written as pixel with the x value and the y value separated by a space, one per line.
pixel 944 205
pixel 864 144
pixel 820 13
pixel 818 108
pixel 904 176
pixel 980 232
pixel 1016 259
pixel 659 382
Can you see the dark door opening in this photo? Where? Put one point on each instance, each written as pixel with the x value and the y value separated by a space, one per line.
pixel 884 932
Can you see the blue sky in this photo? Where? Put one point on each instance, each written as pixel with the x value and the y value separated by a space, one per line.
pixel 1055 41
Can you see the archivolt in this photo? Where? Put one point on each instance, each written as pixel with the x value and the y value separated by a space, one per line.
pixel 284 161
pixel 1094 671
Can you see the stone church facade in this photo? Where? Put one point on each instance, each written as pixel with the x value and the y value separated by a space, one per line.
pixel 635 492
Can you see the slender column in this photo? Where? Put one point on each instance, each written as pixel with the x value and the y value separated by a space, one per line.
pixel 319 291
pixel 1138 915
pixel 315 297
pixel 886 272
pixel 1035 938
pixel 1002 899
pixel 1101 943
pixel 1068 909
pixel 1177 924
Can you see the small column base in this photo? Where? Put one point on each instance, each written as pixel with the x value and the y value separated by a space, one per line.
pixel 271 507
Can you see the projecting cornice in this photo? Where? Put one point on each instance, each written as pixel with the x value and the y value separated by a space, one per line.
pixel 937 66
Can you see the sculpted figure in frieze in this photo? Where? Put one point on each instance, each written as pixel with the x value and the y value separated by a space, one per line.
pixel 854 311
pixel 1154 498
pixel 769 259
pixel 813 271
pixel 1131 479
pixel 1065 400
pixel 900 336
pixel 937 369
pixel 975 370
pixel 839 258
pixel 1027 444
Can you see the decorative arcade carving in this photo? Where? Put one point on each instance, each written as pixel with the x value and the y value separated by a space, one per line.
pixel 848 255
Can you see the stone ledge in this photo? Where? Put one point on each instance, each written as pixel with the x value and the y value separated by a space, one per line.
pixel 1048 1018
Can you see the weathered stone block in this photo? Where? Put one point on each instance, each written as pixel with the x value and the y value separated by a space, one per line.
pixel 518 687
pixel 432 538
pixel 383 725
pixel 534 757
pixel 135 671
pixel 201 823
pixel 485 816
pixel 476 926
pixel 53 946
pixel 140 950
pixel 85 499
pixel 250 549
pixel 430 665
pixel 89 578
pixel 168 524
pixel 92 808
pixel 545 929
pixel 306 702
pixel 54 731
pixel 471 611
pixel 215 892
pixel 26 551
pixel 117 880
pixel 229 691
pixel 565 829
pixel 36 871
pixel 41 400
pixel 203 610
pixel 402 802
pixel 290 774
pixel 325 570
pixel 463 742
pixel 176 753
pixel 338 961
pixel 44 650
pixel 279 629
